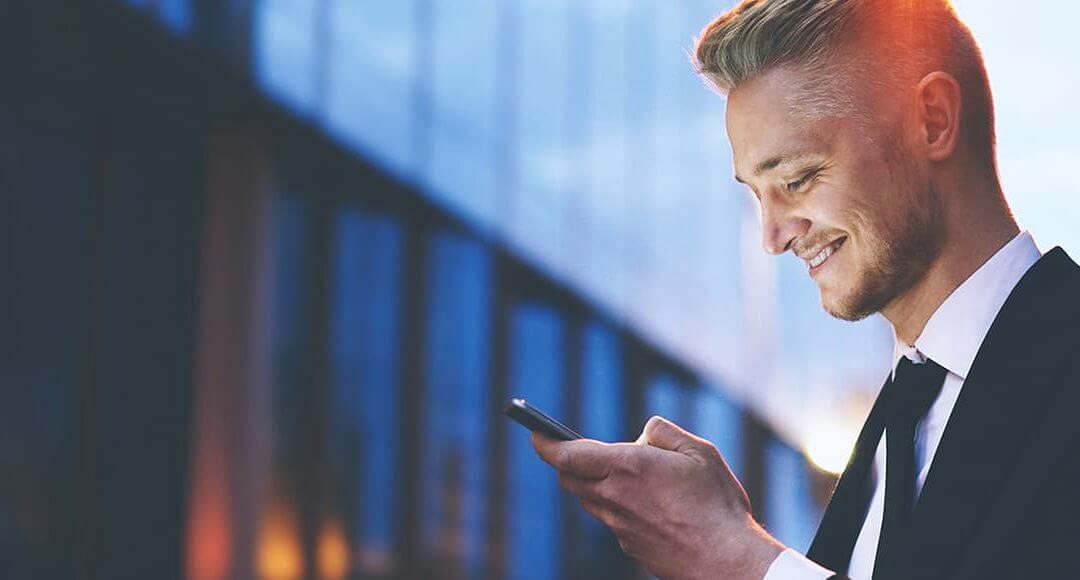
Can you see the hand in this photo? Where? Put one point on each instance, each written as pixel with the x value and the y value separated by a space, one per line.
pixel 671 500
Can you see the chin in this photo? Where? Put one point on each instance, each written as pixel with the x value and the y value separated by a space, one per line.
pixel 844 312
pixel 855 302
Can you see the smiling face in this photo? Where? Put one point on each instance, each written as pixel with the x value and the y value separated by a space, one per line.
pixel 842 192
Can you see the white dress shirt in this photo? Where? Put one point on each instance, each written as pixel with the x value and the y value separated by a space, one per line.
pixel 951 338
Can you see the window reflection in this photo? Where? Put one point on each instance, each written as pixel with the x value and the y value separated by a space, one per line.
pixel 371 66
pixel 542 101
pixel 534 498
pixel 285 36
pixel 791 514
pixel 717 419
pixel 456 442
pixel 463 99
pixel 365 390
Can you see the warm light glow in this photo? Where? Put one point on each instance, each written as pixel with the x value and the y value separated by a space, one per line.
pixel 278 556
pixel 333 556
pixel 209 543
pixel 830 446
pixel 209 528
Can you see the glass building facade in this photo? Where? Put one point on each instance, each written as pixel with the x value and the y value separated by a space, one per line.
pixel 271 268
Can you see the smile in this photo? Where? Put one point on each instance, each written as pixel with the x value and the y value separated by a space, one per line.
pixel 825 253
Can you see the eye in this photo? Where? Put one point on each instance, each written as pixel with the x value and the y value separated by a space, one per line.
pixel 793 186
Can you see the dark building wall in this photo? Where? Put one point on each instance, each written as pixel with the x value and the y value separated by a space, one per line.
pixel 233 348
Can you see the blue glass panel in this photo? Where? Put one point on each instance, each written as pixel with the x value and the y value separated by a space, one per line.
pixel 602 418
pixel 790 515
pixel 602 415
pixel 720 421
pixel 365 361
pixel 371 70
pixel 536 360
pixel 176 15
pixel 607 137
pixel 542 125
pixel 456 441
pixel 284 45
pixel 665 397
pixel 463 95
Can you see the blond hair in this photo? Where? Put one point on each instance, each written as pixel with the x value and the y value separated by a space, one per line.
pixel 899 41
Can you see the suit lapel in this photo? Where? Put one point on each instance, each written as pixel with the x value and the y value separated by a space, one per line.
pixel 1017 369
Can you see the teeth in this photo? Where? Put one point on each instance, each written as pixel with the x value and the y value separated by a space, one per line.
pixel 823 255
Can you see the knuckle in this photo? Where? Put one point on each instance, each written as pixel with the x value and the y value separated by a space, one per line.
pixel 563 459
pixel 604 492
pixel 707 449
pixel 627 463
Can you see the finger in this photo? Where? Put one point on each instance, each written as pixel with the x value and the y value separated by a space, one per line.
pixel 659 432
pixel 582 457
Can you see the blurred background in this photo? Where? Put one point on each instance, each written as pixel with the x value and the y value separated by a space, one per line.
pixel 269 270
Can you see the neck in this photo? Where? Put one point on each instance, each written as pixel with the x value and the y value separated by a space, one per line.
pixel 972 238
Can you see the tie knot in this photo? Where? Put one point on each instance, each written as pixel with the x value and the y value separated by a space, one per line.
pixel 915 388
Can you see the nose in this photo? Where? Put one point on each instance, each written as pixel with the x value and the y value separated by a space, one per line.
pixel 780 225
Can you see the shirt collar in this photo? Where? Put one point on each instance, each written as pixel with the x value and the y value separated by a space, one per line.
pixel 956 330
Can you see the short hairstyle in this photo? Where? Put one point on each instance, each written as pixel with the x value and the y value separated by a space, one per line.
pixel 906 38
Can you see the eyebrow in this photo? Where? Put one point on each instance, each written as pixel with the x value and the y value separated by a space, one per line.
pixel 776 161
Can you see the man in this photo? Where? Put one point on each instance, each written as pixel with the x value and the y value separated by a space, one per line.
pixel 865 130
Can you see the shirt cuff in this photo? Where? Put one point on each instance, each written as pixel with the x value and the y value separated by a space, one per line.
pixel 791 565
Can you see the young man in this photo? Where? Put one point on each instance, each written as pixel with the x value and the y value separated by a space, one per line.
pixel 865 130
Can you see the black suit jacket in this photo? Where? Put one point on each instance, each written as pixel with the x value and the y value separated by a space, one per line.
pixel 1002 497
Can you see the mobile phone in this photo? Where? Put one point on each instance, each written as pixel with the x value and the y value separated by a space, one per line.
pixel 536 420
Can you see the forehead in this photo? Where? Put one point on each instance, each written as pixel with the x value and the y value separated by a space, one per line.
pixel 769 119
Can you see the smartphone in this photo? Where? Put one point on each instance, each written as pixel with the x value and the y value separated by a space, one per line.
pixel 536 420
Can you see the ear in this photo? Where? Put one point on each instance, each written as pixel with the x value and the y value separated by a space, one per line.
pixel 938 99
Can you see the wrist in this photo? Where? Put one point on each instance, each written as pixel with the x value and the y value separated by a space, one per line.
pixel 761 553
pixel 746 556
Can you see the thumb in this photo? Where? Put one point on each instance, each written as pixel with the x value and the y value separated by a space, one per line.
pixel 661 433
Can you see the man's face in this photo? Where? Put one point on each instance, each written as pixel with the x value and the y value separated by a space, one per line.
pixel 844 194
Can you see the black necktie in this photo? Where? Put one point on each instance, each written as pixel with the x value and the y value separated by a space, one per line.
pixel 914 389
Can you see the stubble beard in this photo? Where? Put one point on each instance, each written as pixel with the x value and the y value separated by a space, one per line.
pixel 896 256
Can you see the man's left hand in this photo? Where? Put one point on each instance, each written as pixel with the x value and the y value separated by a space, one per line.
pixel 671 500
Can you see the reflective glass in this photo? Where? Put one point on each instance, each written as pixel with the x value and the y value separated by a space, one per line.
pixel 790 513
pixel 285 46
pixel 667 397
pixel 603 155
pixel 176 15
pixel 279 528
pixel 372 67
pixel 602 418
pixel 461 168
pixel 456 441
pixel 717 419
pixel 365 382
pixel 602 399
pixel 534 497
pixel 542 104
